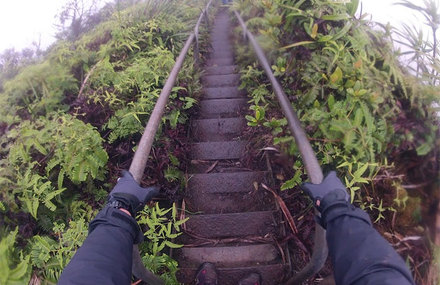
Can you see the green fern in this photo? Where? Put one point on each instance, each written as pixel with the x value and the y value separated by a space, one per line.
pixel 14 265
pixel 51 256
pixel 33 189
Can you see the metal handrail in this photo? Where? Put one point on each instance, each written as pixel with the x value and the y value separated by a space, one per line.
pixel 140 158
pixel 320 250
pixel 204 14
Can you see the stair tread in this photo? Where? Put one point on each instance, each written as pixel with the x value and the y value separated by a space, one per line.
pixel 229 256
pixel 221 80
pixel 221 53
pixel 233 220
pixel 235 182
pixel 218 150
pixel 225 203
pixel 232 224
pixel 222 108
pixel 219 129
pixel 218 70
pixel 229 92
pixel 270 274
pixel 220 61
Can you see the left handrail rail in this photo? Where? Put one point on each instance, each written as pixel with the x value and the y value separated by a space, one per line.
pixel 140 158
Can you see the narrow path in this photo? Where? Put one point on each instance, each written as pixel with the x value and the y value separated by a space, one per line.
pixel 233 222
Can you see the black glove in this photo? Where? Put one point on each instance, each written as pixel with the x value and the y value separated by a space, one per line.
pixel 132 196
pixel 328 195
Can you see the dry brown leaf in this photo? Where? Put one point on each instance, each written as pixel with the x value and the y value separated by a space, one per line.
pixel 284 209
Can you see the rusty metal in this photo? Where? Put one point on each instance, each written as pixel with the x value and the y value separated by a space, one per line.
pixel 140 158
pixel 320 250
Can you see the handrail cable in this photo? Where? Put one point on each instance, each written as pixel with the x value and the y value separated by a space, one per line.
pixel 140 158
pixel 320 250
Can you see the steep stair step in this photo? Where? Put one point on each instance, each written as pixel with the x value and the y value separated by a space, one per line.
pixel 221 80
pixel 270 274
pixel 232 225
pixel 239 202
pixel 220 38
pixel 221 53
pixel 221 108
pixel 222 93
pixel 220 61
pixel 217 129
pixel 221 42
pixel 220 32
pixel 229 256
pixel 221 48
pixel 222 27
pixel 218 150
pixel 218 166
pixel 220 70
pixel 236 182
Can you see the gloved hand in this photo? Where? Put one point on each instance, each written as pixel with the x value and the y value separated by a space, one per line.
pixel 330 194
pixel 130 194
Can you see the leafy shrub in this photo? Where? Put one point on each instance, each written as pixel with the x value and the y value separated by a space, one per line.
pixel 53 165
pixel 365 113
pixel 163 227
pixel 51 256
pixel 14 265
pixel 346 82
pixel 38 89
pixel 65 142
pixel 62 146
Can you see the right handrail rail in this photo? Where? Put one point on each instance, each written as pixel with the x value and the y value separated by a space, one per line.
pixel 320 250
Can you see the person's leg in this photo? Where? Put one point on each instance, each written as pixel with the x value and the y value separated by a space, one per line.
pixel 207 274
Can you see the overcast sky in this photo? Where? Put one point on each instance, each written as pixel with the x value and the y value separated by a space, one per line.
pixel 25 21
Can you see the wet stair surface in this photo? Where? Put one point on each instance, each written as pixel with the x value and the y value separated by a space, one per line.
pixel 233 222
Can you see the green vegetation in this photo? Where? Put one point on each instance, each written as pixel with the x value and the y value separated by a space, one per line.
pixel 365 114
pixel 69 122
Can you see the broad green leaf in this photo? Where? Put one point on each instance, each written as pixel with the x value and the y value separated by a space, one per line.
pixel 361 171
pixel 334 17
pixel 289 184
pixel 173 245
pixel 352 7
pixel 314 31
pixel 179 223
pixel 342 32
pixel 424 149
pixel 358 117
pixel 20 273
pixel 39 147
pixel 349 137
pixel 336 75
pixel 161 247
pixel 34 209
pixel 61 178
pixel 302 43
pixel 174 211
pixel 331 102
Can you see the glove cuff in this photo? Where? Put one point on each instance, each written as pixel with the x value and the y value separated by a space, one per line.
pixel 113 217
pixel 129 202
